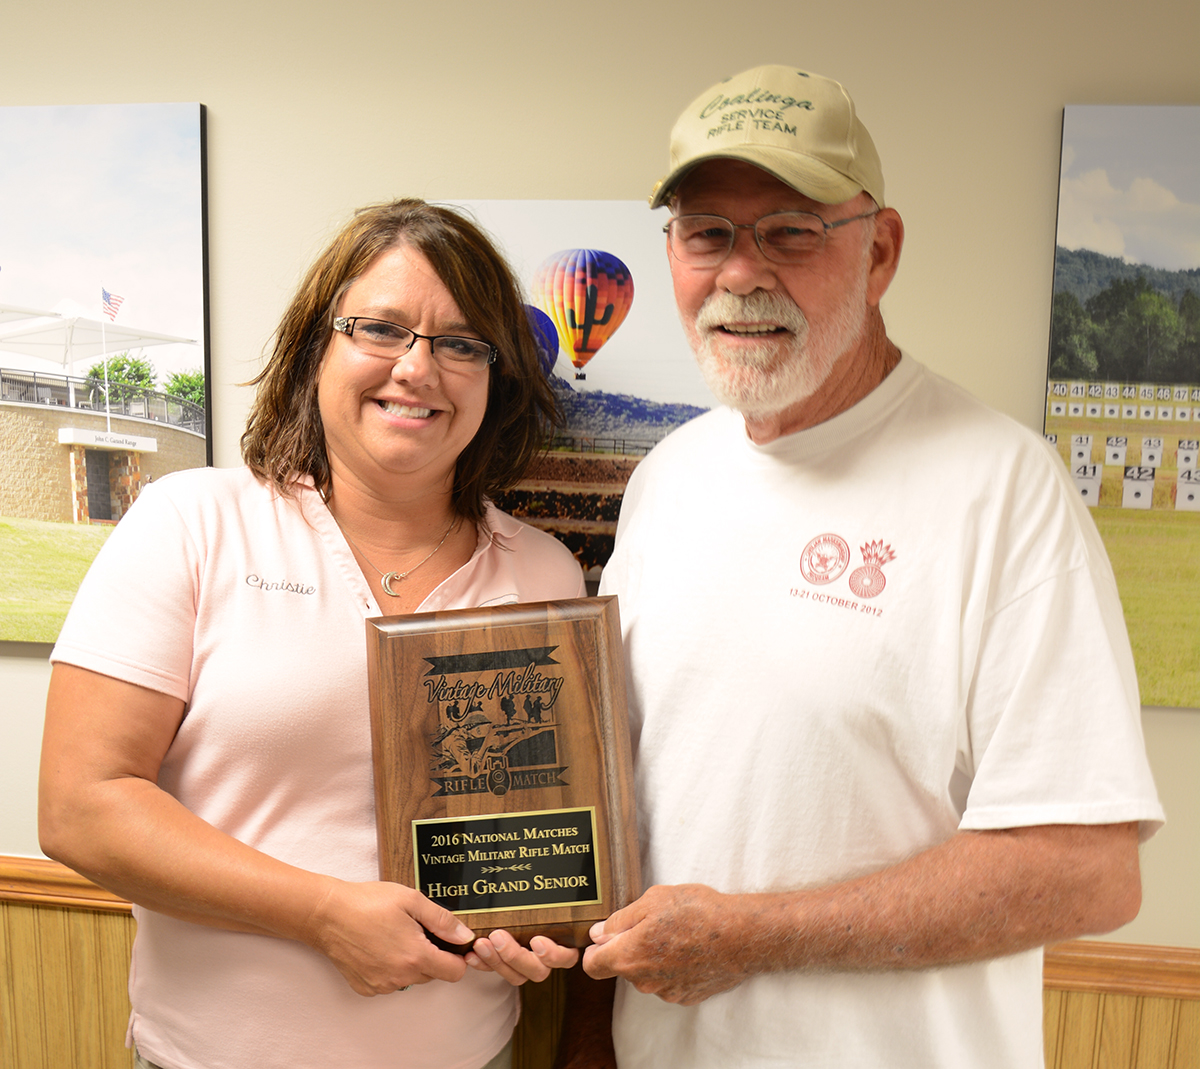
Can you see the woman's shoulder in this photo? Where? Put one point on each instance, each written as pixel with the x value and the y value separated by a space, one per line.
pixel 524 538
pixel 208 487
pixel 193 482
pixel 533 550
pixel 210 503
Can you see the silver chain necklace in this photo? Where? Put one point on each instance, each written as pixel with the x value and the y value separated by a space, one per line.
pixel 387 578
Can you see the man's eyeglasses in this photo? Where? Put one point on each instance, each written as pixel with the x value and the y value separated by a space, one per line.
pixel 782 237
pixel 390 341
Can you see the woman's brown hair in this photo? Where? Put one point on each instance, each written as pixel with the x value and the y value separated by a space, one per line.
pixel 284 436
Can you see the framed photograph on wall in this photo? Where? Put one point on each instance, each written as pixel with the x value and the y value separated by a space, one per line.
pixel 600 300
pixel 103 335
pixel 1123 382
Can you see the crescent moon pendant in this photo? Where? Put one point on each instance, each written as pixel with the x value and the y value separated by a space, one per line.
pixel 386 582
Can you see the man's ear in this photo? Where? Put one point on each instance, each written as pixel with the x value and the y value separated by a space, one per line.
pixel 885 253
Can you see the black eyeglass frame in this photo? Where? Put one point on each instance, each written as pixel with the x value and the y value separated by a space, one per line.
pixel 735 227
pixel 346 324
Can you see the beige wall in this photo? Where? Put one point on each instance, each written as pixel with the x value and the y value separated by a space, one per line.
pixel 317 108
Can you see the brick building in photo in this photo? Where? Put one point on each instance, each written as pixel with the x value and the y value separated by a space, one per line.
pixel 64 461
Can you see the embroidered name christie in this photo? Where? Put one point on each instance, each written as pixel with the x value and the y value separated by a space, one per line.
pixel 282 586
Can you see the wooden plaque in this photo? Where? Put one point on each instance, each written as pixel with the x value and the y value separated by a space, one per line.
pixel 503 785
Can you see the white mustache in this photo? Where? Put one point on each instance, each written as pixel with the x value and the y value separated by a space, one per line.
pixel 760 306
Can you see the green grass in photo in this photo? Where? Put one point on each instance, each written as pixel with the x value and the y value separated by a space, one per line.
pixel 41 566
pixel 1155 555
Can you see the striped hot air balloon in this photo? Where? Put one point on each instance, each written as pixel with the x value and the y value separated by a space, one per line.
pixel 587 293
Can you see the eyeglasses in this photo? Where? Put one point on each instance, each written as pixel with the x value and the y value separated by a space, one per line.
pixel 782 237
pixel 390 341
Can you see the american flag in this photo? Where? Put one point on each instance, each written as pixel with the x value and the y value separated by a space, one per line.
pixel 112 303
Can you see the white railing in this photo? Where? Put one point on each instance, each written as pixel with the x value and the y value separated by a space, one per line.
pixel 136 402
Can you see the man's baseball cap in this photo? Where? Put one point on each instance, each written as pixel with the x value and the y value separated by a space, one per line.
pixel 800 127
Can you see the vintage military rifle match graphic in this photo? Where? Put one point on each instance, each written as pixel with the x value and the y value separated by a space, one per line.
pixel 484 740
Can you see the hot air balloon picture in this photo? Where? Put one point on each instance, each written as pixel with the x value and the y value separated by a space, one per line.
pixel 587 293
pixel 545 336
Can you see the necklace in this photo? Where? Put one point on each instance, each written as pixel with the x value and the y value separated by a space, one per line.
pixel 387 578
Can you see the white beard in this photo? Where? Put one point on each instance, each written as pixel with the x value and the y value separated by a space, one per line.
pixel 781 370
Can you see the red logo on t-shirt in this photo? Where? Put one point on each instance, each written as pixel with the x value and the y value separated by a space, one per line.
pixel 824 559
pixel 869 580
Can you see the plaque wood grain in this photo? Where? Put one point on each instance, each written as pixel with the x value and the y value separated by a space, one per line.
pixel 440 733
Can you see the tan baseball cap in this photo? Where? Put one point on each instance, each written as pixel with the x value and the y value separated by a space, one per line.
pixel 800 127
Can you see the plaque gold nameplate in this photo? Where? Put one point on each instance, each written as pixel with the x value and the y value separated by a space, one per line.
pixel 503 788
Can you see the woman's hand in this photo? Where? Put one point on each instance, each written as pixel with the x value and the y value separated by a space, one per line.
pixel 502 954
pixel 102 813
pixel 374 933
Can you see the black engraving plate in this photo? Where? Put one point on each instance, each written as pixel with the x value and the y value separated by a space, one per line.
pixel 535 860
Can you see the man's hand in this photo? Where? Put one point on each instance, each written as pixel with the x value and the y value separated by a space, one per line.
pixel 678 943
pixel 978 895
pixel 502 954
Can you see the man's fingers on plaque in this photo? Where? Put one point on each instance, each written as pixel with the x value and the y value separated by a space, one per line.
pixel 598 963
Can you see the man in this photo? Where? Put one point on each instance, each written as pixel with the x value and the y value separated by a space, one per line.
pixel 886 724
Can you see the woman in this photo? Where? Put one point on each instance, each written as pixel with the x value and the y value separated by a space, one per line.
pixel 207 742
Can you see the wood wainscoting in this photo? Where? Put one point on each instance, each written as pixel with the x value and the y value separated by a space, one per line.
pixel 1121 1005
pixel 65 944
pixel 64 958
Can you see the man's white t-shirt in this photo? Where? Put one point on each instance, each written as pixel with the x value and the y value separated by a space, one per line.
pixel 844 647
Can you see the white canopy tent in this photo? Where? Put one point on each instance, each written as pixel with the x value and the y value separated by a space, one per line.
pixel 58 340
pixel 10 312
pixel 64 339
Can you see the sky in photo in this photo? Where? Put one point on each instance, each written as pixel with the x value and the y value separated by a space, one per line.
pixel 647 355
pixel 1130 183
pixel 105 195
